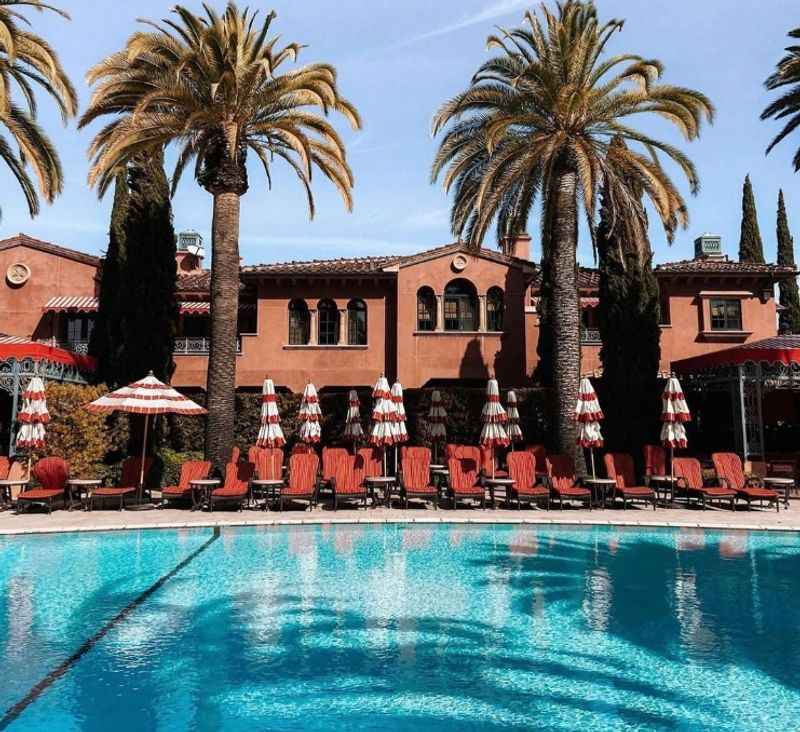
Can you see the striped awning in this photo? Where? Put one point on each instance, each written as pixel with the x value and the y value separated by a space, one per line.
pixel 71 304
pixel 195 308
pixel 7 340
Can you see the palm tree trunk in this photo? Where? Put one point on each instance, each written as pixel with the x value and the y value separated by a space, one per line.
pixel 221 385
pixel 565 310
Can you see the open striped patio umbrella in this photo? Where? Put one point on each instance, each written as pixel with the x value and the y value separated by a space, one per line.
pixel 33 417
pixel 437 422
pixel 352 424
pixel 270 433
pixel 513 429
pixel 310 416
pixel 588 416
pixel 674 414
pixel 149 397
pixel 382 433
pixel 494 418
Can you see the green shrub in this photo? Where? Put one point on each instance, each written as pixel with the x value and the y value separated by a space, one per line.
pixel 167 467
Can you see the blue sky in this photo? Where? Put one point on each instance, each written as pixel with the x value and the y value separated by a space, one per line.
pixel 397 62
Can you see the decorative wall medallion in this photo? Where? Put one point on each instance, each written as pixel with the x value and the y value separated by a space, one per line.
pixel 18 274
pixel 460 262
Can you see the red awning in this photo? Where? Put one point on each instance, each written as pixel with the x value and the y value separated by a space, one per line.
pixel 20 348
pixel 71 304
pixel 780 349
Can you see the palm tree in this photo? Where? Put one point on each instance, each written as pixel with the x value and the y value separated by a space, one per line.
pixel 27 62
pixel 539 119
pixel 212 85
pixel 787 73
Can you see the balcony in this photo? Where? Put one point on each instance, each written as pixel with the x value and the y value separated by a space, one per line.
pixel 80 347
pixel 198 346
pixel 590 336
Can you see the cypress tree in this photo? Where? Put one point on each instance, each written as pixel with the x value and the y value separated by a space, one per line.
pixel 150 307
pixel 751 249
pixel 628 316
pixel 789 299
pixel 105 343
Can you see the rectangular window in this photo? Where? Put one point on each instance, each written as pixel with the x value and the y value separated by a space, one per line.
pixel 663 311
pixel 425 314
pixel 726 314
pixel 459 313
pixel 328 326
pixel 79 328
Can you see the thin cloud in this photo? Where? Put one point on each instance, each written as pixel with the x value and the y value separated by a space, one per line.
pixel 494 10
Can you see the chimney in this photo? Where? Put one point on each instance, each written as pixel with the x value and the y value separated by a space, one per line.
pixel 708 246
pixel 190 253
pixel 518 246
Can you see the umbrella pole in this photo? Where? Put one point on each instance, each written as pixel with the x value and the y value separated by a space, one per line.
pixel 591 453
pixel 492 461
pixel 144 453
pixel 29 467
pixel 384 461
pixel 671 474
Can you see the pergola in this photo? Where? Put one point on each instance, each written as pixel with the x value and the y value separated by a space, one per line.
pixel 746 372
pixel 21 359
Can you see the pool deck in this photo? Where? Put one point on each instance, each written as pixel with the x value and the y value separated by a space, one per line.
pixel 105 520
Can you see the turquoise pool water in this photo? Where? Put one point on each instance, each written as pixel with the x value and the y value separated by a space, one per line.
pixel 401 627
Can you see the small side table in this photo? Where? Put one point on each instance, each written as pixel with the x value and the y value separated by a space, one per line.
pixel 601 486
pixel 664 484
pixel 80 489
pixel 272 489
pixel 494 483
pixel 204 485
pixel 440 476
pixel 384 483
pixel 6 491
pixel 786 483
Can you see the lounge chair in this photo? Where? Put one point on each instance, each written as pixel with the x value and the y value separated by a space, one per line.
pixel 563 482
pixel 463 480
pixel 302 480
pixel 415 479
pixel 489 464
pixel 619 468
pixel 128 482
pixel 235 454
pixel 347 482
pixel 51 473
pixel 539 452
pixel 236 488
pixel 5 465
pixel 470 452
pixel 729 470
pixel 522 470
pixel 413 451
pixel 373 461
pixel 655 461
pixel 268 462
pixel 190 470
pixel 689 477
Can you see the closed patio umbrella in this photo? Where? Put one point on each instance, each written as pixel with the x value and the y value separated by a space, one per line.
pixel 270 433
pixel 398 419
pixel 513 429
pixel 674 414
pixel 149 397
pixel 310 416
pixel 33 417
pixel 437 422
pixel 494 418
pixel 382 433
pixel 352 424
pixel 588 416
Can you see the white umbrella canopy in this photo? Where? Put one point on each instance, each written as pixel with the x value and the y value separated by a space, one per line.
pixel 270 433
pixel 437 419
pixel 494 418
pixel 33 417
pixel 513 428
pixel 588 416
pixel 382 433
pixel 674 414
pixel 149 397
pixel 310 416
pixel 399 416
pixel 352 423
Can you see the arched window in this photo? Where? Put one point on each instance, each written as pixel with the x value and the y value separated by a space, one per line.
pixel 460 306
pixel 494 309
pixel 328 315
pixel 357 323
pixel 299 323
pixel 426 309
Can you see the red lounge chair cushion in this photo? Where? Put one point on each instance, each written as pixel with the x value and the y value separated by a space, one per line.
pixel 753 492
pixel 232 492
pixel 330 459
pixel 636 491
pixel 464 476
pixel 572 490
pixel 349 476
pixel 237 481
pixel 114 491
pixel 302 475
pixel 39 494
pixel 532 490
pixel 715 491
pixel 522 469
pixel 561 471
pixel 655 460
pixel 728 467
pixel 52 473
pixel 268 462
pixel 174 490
pixel 5 465
pixel 373 461
pixel 416 471
pixel 190 470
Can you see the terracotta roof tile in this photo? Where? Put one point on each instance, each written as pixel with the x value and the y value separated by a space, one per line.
pixel 588 279
pixel 341 266
pixel 721 267
pixel 200 282
pixel 45 246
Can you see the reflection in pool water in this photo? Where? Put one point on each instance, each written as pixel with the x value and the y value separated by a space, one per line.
pixel 404 627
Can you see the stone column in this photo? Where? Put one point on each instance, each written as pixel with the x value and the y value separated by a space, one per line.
pixel 482 313
pixel 342 326
pixel 312 324
pixel 439 313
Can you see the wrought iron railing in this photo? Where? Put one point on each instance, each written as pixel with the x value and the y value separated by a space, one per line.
pixel 590 336
pixel 198 346
pixel 76 346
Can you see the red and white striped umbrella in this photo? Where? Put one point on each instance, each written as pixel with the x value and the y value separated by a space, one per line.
pixel 674 413
pixel 494 418
pixel 399 416
pixel 382 433
pixel 588 416
pixel 310 415
pixel 352 423
pixel 33 416
pixel 514 430
pixel 147 396
pixel 437 419
pixel 270 433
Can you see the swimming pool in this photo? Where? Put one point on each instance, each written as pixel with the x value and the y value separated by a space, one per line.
pixel 401 627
